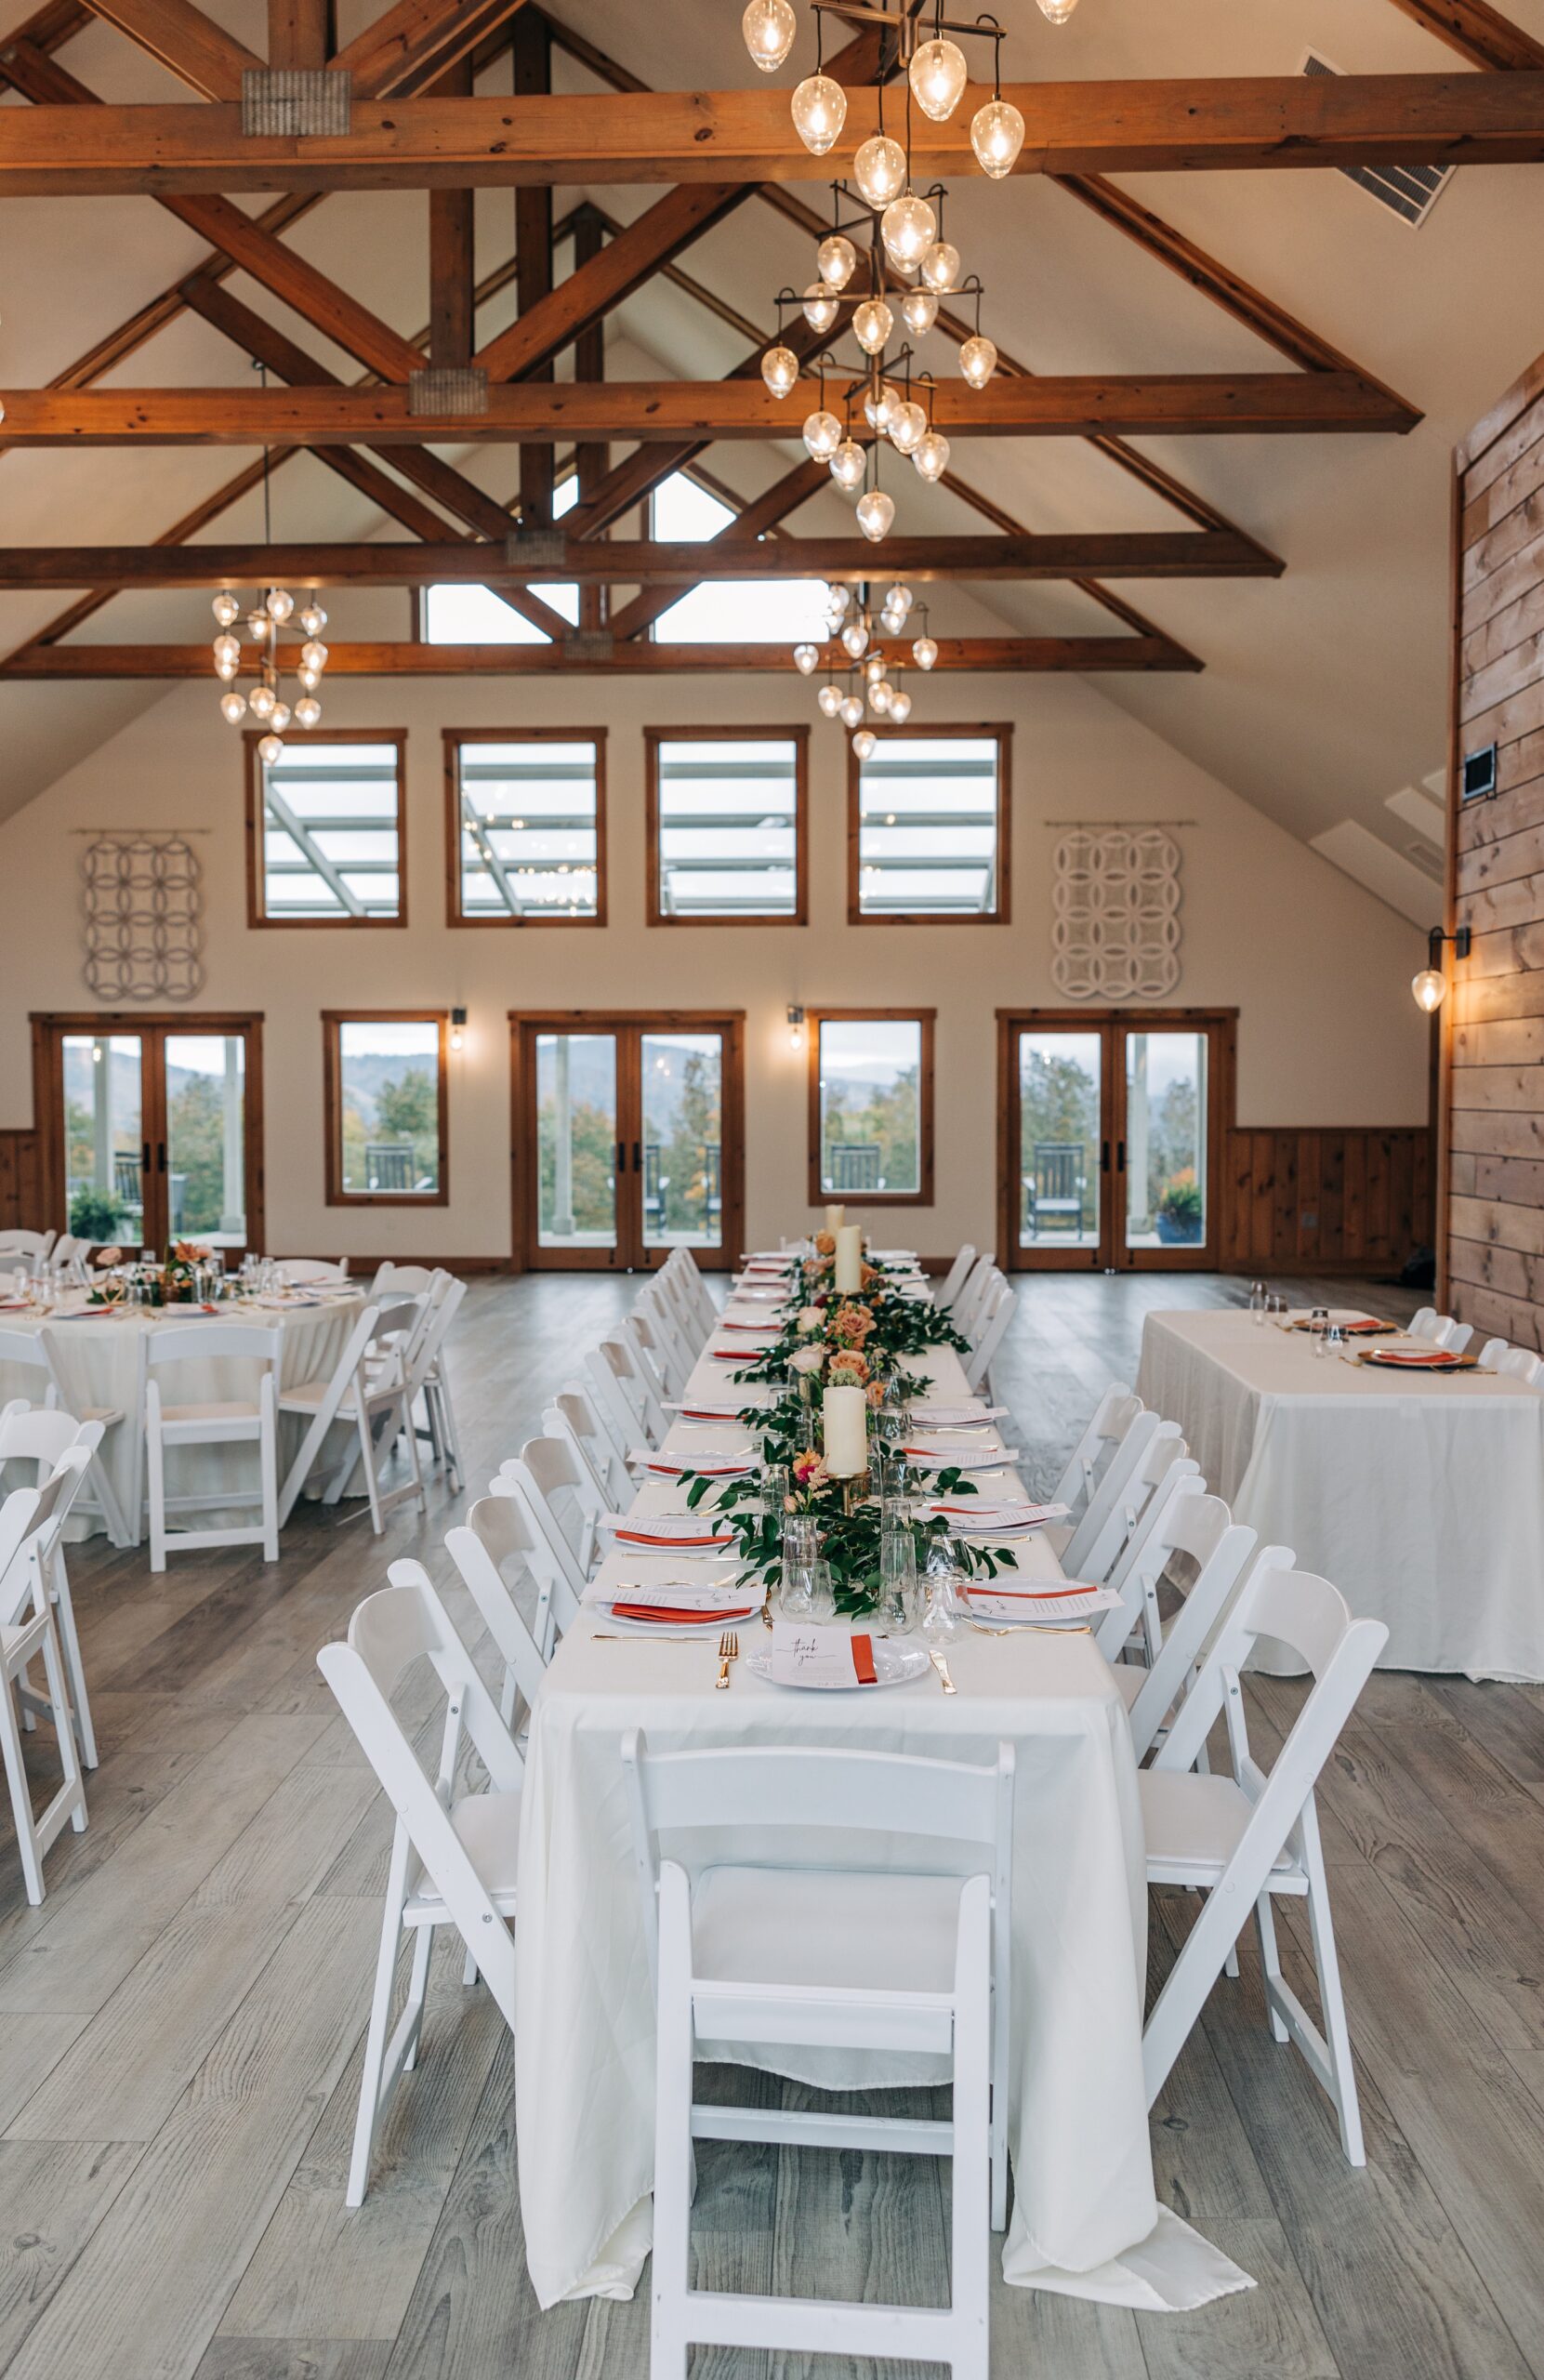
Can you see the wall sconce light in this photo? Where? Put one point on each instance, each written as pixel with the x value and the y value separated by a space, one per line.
pixel 458 1021
pixel 1431 985
pixel 795 1028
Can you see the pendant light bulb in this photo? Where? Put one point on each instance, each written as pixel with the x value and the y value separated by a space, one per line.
pixel 876 511
pixel 872 325
pixel 819 113
pixel 919 311
pixel 846 464
pixel 270 747
pixel 900 707
pixel 838 597
pixel 769 27
pixel 881 405
pixel 314 655
pixel 931 457
pixel 925 652
pixel 822 435
pixel 227 653
pixel 941 265
pixel 852 711
pixel 806 658
pixel 996 135
pixel 821 306
pixel 977 361
pixel 278 603
pixel 1057 11
pixel 873 667
pixel 226 609
pixel 232 708
pixel 262 701
pixel 900 598
pixel 308 711
pixel 908 228
pixel 937 75
pixel 829 699
pixel 258 625
pixel 779 369
pixel 908 428
pixel 864 743
pixel 854 636
pixel 279 718
pixel 836 260
pixel 880 695
pixel 313 619
pixel 879 170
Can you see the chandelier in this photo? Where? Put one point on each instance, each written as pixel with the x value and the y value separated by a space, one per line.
pixel 271 619
pixel 873 677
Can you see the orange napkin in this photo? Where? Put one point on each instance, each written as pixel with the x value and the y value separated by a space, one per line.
pixel 863 1660
pixel 663 1613
pixel 1035 1595
pixel 639 1536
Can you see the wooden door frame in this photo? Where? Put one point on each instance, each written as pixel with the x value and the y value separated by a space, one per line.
pixel 1221 1024
pixel 729 1022
pixel 49 1029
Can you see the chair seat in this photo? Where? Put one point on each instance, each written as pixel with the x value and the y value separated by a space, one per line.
pixel 851 1930
pixel 1058 1535
pixel 233 1409
pixel 488 1826
pixel 1194 1825
pixel 105 1414
pixel 1129 1680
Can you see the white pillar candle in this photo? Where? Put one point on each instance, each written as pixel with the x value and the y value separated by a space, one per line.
pixel 835 1218
pixel 850 1258
pixel 845 1428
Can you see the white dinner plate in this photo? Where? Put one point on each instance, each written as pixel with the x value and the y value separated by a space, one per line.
pixel 894 1665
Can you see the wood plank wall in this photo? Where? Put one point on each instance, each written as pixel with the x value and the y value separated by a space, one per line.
pixel 1493 1070
pixel 1350 1199
pixel 20 1181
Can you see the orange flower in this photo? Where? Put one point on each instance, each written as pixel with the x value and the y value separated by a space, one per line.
pixel 825 1244
pixel 848 1371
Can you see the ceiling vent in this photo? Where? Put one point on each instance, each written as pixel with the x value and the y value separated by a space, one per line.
pixel 1409 192
pixel 1430 863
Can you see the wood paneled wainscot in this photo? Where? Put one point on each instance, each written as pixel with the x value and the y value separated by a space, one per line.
pixel 1494 1056
pixel 1327 1200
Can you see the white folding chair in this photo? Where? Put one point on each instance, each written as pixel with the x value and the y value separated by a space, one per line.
pixel 239 1421
pixel 968 1300
pixel 616 1359
pixel 452 1856
pixel 1242 1839
pixel 399 1281
pixel 1521 1363
pixel 104 1499
pixel 1120 1498
pixel 671 1358
pixel 27 1629
pixel 1111 1417
pixel 35 1244
pixel 845 1957
pixel 548 1555
pixel 681 1283
pixel 1492 1353
pixel 369 1388
pixel 561 1475
pixel 1426 1323
pixel 300 1270
pixel 440 1412
pixel 611 1414
pixel 1198 1528
pixel 31 1435
pixel 954 1278
pixel 493 1541
pixel 992 1316
pixel 684 1269
pixel 571 1417
pixel 1456 1337
pixel 649 1357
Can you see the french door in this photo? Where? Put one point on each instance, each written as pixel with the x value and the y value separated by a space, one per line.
pixel 628 1138
pixel 152 1128
pixel 1111 1128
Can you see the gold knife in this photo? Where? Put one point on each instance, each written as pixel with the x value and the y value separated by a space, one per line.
pixel 942 1666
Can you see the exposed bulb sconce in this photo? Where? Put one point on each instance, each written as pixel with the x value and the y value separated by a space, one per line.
pixel 457 1027
pixel 1430 987
pixel 795 1028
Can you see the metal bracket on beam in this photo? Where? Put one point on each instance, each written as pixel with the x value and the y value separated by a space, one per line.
pixel 291 102
pixel 536 549
pixel 447 388
pixel 590 644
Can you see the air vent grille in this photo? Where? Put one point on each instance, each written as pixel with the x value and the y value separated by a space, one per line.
pixel 1430 863
pixel 1409 192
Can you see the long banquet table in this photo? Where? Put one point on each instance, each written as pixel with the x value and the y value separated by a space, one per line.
pixel 1422 1498
pixel 1085 2218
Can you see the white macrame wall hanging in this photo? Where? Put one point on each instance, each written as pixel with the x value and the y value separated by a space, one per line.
pixel 142 899
pixel 1115 901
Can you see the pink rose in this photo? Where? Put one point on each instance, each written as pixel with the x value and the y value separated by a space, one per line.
pixel 807 1359
pixel 811 1317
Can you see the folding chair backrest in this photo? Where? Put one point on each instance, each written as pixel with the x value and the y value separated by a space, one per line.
pixel 954 1279
pixel 574 1495
pixel 443 1304
pixel 682 1267
pixel 1201 1529
pixel 1113 1416
pixel 25 1243
pixel 993 1317
pixel 1493 1355
pixel 616 1395
pixel 1521 1363
pixel 1425 1323
pixel 399 1281
pixel 638 1391
pixel 189 1342
pixel 26 1531
pixel 391 1629
pixel 1143 1559
pixel 1120 1496
pixel 1456 1336
pixel 968 1304
pixel 815 1786
pixel 666 1349
pixel 298 1270
pixel 679 1288
pixel 40 1434
pixel 649 1356
pixel 573 1418
pixel 560 1581
pixel 490 1549
pixel 29 1350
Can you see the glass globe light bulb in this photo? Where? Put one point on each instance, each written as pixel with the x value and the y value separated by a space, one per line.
pixel 822 435
pixel 908 228
pixel 836 260
pixel 310 679
pixel 270 747
pixel 854 636
pixel 262 701
pixel 1058 11
pixel 226 649
pixel 977 361
pixel 314 655
pixel 829 699
pixel 941 265
pixel 880 695
pixel 847 463
pixel 872 325
pixel 900 707
pixel 881 405
pixel 821 306
pixel 931 459
pixel 919 311
pixel 819 113
pixel 259 624
pixel 864 743
pixel 806 658
pixel 879 170
pixel 779 369
pixel 279 716
pixel 996 135
pixel 769 27
pixel 308 711
pixel 876 511
pixel 925 652
pixel 873 667
pixel 278 603
pixel 313 619
pixel 900 598
pixel 234 707
pixel 225 671
pixel 1430 988
pixel 852 711
pixel 937 75
pixel 908 428
pixel 226 609
pixel 838 597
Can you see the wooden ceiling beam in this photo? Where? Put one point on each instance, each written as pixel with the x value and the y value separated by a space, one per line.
pixel 1226 123
pixel 185 41
pixel 1203 403
pixel 452 264
pixel 407 51
pixel 728 552
pixel 300 34
pixel 743 552
pixel 1016 654
pixel 1478 33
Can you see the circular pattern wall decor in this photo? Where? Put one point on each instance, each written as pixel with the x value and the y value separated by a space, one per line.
pixel 142 898
pixel 1115 902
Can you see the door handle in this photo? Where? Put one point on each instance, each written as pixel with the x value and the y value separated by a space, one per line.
pixel 622 1157
pixel 1120 1157
pixel 1104 1157
pixel 144 1158
pixel 638 1157
pixel 161 1157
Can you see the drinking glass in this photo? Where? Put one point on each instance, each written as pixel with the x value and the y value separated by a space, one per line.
pixel 801 1551
pixel 899 1598
pixel 942 1618
pixel 1276 1304
pixel 823 1600
pixel 1256 1303
pixel 21 1288
pixel 1331 1342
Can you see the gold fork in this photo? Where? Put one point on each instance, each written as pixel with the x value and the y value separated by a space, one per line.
pixel 729 1650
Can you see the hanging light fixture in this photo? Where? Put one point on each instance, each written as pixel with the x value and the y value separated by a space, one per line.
pixel 881 405
pixel 846 464
pixel 879 170
pixel 836 260
pixel 274 612
pixel 852 711
pixel 876 512
pixel 854 636
pixel 924 651
pixel 838 599
pixel 769 27
pixel 829 698
pixel 879 693
pixel 941 267
pixel 900 598
pixel 806 658
pixel 779 369
pixel 977 361
pixel 1058 11
pixel 919 311
pixel 873 667
pixel 908 228
pixel 819 113
pixel 908 427
pixel 998 128
pixel 872 325
pixel 822 435
pixel 937 75
pixel 900 707
pixel 864 742
pixel 226 609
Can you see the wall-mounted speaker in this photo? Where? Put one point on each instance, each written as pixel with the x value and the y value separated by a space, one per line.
pixel 1479 774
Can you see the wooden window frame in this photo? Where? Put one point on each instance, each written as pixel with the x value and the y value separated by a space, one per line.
pixel 332 1088
pixel 48 1031
pixel 452 739
pixel 799 738
pixel 815 1019
pixel 257 917
pixel 1002 730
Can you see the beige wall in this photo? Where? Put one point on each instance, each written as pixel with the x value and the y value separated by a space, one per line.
pixel 1328 1033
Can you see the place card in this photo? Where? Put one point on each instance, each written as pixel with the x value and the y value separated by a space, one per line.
pixel 807 1656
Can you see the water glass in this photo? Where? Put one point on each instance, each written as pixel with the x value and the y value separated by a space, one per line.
pixel 1275 1305
pixel 1256 1303
pixel 21 1288
pixel 774 1488
pixel 899 1596
pixel 1333 1341
pixel 1318 1323
pixel 945 1610
pixel 822 1599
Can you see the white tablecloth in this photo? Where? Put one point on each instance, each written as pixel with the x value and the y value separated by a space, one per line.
pixel 100 1366
pixel 1422 1499
pixel 1085 2218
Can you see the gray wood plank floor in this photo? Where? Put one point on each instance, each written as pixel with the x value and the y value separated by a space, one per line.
pixel 181 2022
